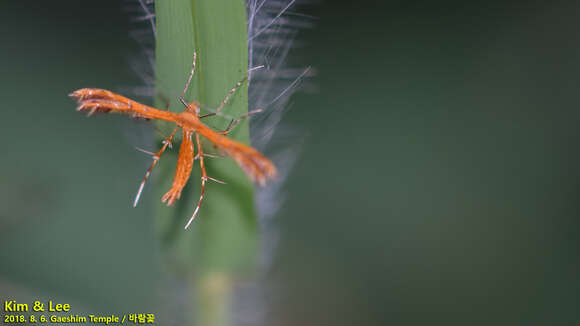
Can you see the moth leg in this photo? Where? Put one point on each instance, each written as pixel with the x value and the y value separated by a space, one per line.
pixel 156 157
pixel 204 178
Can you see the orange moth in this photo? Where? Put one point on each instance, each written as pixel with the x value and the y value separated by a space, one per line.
pixel 256 166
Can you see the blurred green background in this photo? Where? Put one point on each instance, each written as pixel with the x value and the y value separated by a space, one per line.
pixel 438 183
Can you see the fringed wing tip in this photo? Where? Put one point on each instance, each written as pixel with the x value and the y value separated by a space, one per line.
pixel 81 93
pixel 262 175
pixel 75 94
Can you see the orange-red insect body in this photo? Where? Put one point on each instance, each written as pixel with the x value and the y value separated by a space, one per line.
pixel 255 165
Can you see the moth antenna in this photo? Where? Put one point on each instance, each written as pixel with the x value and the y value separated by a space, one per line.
pixel 182 100
pixel 233 123
pixel 230 93
pixel 190 75
pixel 207 115
pixel 213 112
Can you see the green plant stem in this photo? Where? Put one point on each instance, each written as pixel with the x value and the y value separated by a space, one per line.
pixel 220 245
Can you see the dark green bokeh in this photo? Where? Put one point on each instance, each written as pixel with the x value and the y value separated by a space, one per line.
pixel 438 183
pixel 67 229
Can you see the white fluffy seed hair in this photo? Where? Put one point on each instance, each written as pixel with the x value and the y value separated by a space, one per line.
pixel 272 27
